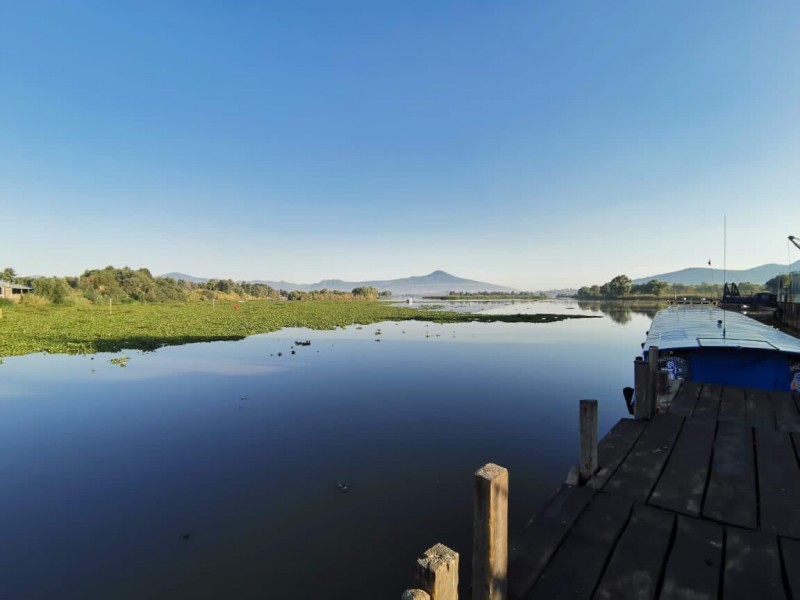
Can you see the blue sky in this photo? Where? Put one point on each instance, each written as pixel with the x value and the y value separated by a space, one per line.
pixel 534 144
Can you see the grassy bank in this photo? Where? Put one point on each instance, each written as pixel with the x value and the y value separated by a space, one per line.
pixel 89 329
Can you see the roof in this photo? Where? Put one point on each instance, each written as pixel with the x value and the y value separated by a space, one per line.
pixel 686 327
pixel 14 285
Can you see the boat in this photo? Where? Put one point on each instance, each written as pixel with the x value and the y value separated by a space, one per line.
pixel 707 344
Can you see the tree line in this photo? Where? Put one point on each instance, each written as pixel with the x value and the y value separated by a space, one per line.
pixel 621 286
pixel 139 285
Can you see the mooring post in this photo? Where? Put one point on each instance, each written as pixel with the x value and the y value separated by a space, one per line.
pixel 490 533
pixel 588 439
pixel 640 388
pixel 652 381
pixel 437 573
pixel 415 595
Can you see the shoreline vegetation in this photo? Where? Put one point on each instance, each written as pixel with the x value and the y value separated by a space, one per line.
pixel 480 296
pixel 87 329
pixel 622 288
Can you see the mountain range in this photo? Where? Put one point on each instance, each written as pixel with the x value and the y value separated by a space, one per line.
pixel 697 275
pixel 436 283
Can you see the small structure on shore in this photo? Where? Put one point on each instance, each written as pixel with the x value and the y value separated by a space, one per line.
pixel 13 291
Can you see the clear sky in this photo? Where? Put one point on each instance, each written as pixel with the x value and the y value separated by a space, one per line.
pixel 535 144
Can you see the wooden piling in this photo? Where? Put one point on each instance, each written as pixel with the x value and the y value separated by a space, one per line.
pixel 490 533
pixel 437 573
pixel 415 595
pixel 588 415
pixel 640 371
pixel 652 381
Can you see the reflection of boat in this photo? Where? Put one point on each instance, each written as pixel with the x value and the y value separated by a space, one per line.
pixel 709 345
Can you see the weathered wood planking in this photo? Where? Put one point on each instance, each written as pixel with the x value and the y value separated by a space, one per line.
pixel 731 493
pixel 685 399
pixel 638 473
pixel 778 483
pixel 707 407
pixel 790 551
pixel 695 562
pixel 588 545
pixel 683 481
pixel 796 439
pixel 542 537
pixel 752 566
pixel 787 417
pixel 759 409
pixel 613 448
pixel 638 559
pixel 732 405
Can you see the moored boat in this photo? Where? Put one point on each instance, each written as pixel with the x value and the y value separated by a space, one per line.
pixel 709 345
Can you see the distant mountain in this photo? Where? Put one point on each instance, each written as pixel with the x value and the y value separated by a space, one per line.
pixel 696 275
pixel 436 283
pixel 185 277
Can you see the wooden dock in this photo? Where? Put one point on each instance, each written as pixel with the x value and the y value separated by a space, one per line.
pixel 702 501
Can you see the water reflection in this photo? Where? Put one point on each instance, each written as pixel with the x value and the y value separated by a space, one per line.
pixel 104 470
pixel 622 312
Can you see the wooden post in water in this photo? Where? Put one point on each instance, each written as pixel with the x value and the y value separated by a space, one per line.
pixel 490 533
pixel 415 595
pixel 652 381
pixel 640 369
pixel 588 439
pixel 437 572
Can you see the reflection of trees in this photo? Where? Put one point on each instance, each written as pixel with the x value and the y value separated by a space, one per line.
pixel 620 311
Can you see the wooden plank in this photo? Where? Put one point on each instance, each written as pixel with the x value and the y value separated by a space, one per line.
pixel 732 405
pixel 787 417
pixel 778 483
pixel 695 562
pixel 752 566
pixel 638 559
pixel 588 431
pixel 540 539
pixel 683 483
pixel 759 409
pixel 613 448
pixel 588 544
pixel 707 407
pixel 796 439
pixel 790 551
pixel 639 472
pixel 685 399
pixel 731 493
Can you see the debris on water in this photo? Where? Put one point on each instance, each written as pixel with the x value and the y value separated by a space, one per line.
pixel 302 343
pixel 377 332
pixel 122 361
pixel 293 352
pixel 280 353
pixel 343 487
pixel 245 398
pixel 186 535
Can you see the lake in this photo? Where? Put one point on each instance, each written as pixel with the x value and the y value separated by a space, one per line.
pixel 215 470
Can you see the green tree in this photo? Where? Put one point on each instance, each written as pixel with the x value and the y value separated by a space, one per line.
pixel 619 287
pixel 780 282
pixel 54 289
pixel 8 274
pixel 366 292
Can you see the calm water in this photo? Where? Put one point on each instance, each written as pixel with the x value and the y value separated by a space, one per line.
pixel 210 470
